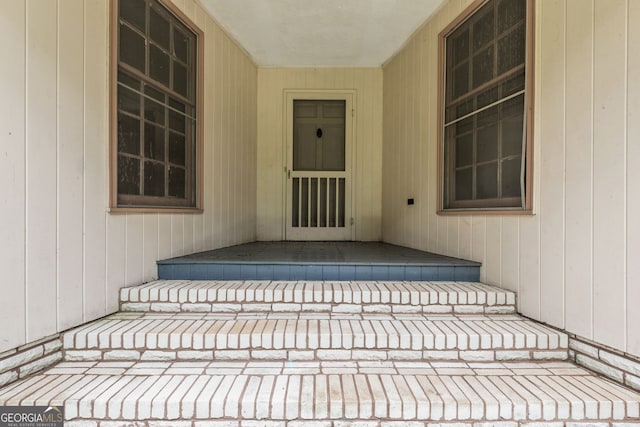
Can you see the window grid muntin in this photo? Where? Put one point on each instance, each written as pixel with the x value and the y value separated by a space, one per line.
pixel 468 25
pixel 189 135
pixel 499 159
pixel 472 94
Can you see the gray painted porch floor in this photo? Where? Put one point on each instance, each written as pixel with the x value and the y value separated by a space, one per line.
pixel 317 261
pixel 362 253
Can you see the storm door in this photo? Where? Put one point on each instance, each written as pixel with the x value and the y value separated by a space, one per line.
pixel 318 177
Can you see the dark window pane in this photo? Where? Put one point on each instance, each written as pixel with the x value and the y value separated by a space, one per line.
pixel 513 85
pixel 510 12
pixel 128 80
pixel 180 79
pixel 177 149
pixel 464 150
pixel 483 67
pixel 487 97
pixel 464 109
pixel 464 184
pixel 483 30
pixel 159 29
pixel 176 121
pixel 513 107
pixel 511 177
pixel 177 105
pixel 154 93
pixel 487 117
pixel 460 81
pixel 461 47
pixel 128 175
pixel 131 48
pixel 153 179
pixel 153 142
pixel 512 133
pixel 487 143
pixel 450 114
pixel 511 50
pixel 133 12
pixel 128 134
pixel 181 45
pixel 159 65
pixel 153 111
pixel 128 101
pixel 512 126
pixel 177 182
pixel 464 126
pixel 487 181
pixel 459 110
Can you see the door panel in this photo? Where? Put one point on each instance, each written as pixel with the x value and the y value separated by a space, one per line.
pixel 319 175
pixel 333 148
pixel 304 147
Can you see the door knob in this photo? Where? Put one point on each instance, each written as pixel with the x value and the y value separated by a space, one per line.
pixel 319 133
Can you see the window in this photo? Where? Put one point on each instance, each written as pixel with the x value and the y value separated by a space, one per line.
pixel 486 119
pixel 155 108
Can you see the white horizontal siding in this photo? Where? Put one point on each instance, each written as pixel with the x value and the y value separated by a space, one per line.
pixel 64 257
pixel 574 263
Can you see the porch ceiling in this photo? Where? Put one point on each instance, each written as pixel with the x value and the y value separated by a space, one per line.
pixel 327 33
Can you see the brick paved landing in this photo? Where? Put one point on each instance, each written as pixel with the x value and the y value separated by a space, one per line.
pixel 327 392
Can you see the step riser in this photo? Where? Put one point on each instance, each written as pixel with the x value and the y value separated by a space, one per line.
pixel 346 423
pixel 248 271
pixel 316 355
pixel 174 307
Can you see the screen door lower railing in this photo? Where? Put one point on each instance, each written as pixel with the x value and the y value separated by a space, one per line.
pixel 318 202
pixel 318 206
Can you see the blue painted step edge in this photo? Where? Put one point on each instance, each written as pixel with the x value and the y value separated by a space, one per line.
pixel 249 271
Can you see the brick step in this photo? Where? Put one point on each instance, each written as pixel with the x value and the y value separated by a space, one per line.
pixel 333 297
pixel 217 394
pixel 313 336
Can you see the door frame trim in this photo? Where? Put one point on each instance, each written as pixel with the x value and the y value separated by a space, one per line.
pixel 350 97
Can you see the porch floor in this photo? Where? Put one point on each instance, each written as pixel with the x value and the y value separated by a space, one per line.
pixel 317 261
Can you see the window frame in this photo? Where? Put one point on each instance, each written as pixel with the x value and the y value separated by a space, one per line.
pixel 482 207
pixel 164 203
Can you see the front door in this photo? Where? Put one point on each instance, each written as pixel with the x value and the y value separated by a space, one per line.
pixel 319 174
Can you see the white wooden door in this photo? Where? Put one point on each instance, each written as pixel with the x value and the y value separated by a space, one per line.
pixel 319 168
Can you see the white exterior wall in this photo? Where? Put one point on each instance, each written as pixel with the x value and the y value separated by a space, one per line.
pixel 367 83
pixel 63 256
pixel 575 263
